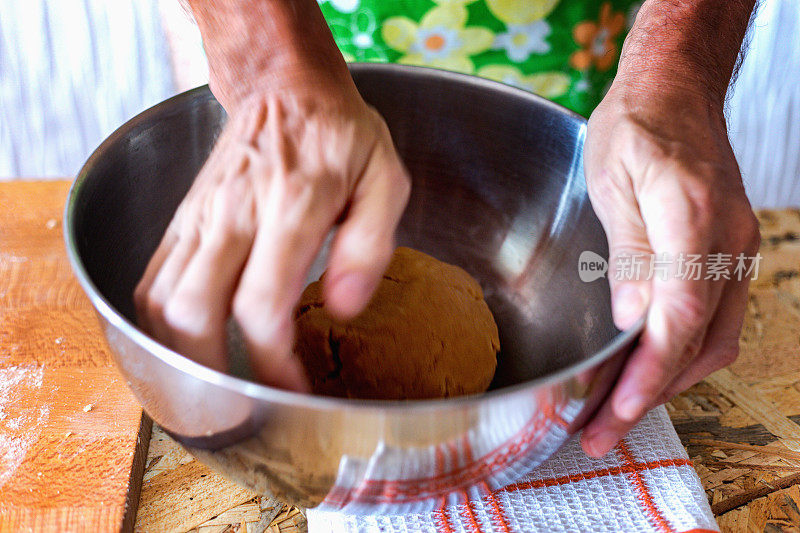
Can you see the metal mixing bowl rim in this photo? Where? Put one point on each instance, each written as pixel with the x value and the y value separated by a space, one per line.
pixel 264 392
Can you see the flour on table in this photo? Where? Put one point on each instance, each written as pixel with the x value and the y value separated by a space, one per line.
pixel 20 425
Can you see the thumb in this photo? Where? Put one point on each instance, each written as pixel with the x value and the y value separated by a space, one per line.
pixel 364 244
pixel 630 289
pixel 629 252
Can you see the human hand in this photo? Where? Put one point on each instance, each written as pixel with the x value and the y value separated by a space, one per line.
pixel 663 179
pixel 287 166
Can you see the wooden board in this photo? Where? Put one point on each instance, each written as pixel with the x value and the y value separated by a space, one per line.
pixel 740 426
pixel 72 437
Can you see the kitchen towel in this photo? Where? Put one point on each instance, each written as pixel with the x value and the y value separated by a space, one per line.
pixel 647 483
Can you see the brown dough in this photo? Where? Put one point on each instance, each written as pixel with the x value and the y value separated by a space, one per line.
pixel 427 333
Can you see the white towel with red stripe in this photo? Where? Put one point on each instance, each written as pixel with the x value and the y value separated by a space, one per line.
pixel 647 483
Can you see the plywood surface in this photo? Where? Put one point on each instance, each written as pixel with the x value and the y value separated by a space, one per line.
pixel 740 425
pixel 72 437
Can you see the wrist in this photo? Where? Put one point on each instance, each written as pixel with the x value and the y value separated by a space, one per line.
pixel 234 81
pixel 669 76
pixel 656 92
pixel 266 46
pixel 674 113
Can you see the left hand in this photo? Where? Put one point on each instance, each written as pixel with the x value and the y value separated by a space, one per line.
pixel 663 179
pixel 288 165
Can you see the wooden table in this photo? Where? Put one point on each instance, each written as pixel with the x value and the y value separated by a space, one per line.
pixel 740 426
pixel 72 437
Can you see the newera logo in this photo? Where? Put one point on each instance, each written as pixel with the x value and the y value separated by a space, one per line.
pixel 591 266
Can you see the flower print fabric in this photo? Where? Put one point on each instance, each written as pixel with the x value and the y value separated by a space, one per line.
pixel 441 39
pixel 597 40
pixel 521 41
pixel 564 50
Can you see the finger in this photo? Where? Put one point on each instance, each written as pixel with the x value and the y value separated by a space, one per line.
pixel 721 345
pixel 197 311
pixel 164 283
pixel 628 278
pixel 604 431
pixel 648 370
pixel 677 223
pixel 293 222
pixel 288 239
pixel 628 246
pixel 151 270
pixel 676 316
pixel 678 313
pixel 364 243
pixel 695 344
pixel 268 290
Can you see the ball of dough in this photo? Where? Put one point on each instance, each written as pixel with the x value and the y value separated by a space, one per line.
pixel 426 333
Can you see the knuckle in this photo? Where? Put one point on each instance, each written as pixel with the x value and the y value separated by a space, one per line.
pixel 745 235
pixel 620 250
pixel 261 324
pixel 232 210
pixel 246 307
pixel 663 367
pixel 312 195
pixel 140 298
pixel 378 122
pixel 693 348
pixel 701 201
pixel 686 311
pixel 184 315
pixel 154 307
pixel 664 397
pixel 403 184
pixel 242 307
pixel 295 188
pixel 603 187
pixel 684 193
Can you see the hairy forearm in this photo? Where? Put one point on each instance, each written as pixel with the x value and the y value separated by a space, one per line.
pixel 690 46
pixel 267 45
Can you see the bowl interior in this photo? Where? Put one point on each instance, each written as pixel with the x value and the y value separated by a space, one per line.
pixel 498 189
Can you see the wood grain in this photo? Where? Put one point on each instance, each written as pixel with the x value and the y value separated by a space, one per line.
pixel 72 437
pixel 181 494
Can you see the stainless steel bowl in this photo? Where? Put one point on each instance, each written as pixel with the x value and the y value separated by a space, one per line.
pixel 498 189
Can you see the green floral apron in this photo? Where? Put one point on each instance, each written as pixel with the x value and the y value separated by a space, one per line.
pixel 564 50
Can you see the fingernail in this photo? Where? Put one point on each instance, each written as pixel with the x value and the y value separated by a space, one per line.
pixel 628 305
pixel 600 443
pixel 629 408
pixel 349 292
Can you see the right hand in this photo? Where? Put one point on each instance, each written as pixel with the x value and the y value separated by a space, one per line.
pixel 285 169
pixel 666 185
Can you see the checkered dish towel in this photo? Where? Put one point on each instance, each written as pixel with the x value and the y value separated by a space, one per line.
pixel 647 483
